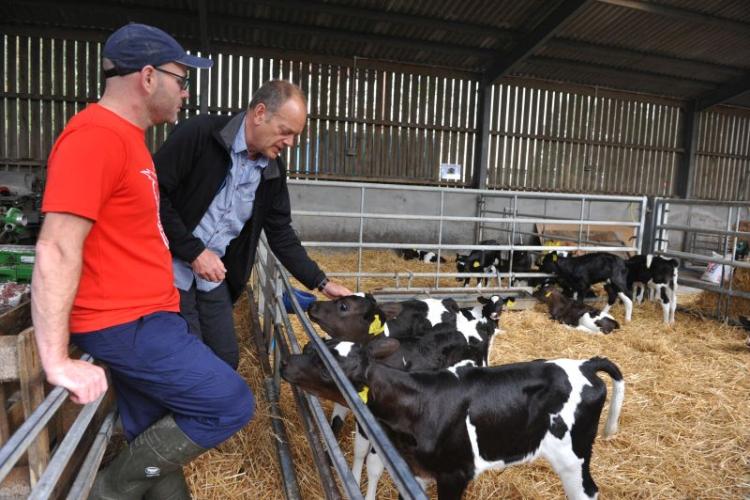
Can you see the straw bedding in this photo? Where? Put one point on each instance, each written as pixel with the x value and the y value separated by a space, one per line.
pixel 684 430
pixel 710 300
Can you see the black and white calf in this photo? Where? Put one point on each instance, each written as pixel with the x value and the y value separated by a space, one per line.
pixel 440 348
pixel 478 261
pixel 659 274
pixel 420 255
pixel 359 316
pixel 576 314
pixel 579 273
pixel 452 425
pixel 481 322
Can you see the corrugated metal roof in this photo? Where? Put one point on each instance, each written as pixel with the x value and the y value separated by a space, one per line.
pixel 682 49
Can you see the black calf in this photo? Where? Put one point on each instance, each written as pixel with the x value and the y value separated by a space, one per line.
pixel 579 273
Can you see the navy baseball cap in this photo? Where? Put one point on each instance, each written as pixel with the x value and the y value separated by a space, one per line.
pixel 134 46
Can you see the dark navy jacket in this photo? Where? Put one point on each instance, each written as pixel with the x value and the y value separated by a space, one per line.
pixel 191 166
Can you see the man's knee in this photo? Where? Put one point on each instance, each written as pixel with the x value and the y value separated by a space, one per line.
pixel 238 406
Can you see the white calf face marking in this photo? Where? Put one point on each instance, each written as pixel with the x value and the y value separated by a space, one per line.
pixel 344 348
pixel 649 260
pixel 360 294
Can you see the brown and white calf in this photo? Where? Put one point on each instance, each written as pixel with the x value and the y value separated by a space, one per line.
pixel 575 314
pixel 659 275
pixel 452 425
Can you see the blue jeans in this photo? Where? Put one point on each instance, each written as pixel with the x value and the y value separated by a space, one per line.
pixel 157 367
pixel 209 315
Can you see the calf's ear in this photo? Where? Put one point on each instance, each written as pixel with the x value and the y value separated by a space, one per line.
pixel 483 300
pixel 382 348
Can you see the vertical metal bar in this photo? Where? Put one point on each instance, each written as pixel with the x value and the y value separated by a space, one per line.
pixel 642 227
pixel 361 232
pixel 514 214
pixel 440 238
pixel 580 225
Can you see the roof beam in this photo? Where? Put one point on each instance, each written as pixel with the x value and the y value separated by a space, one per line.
pixel 683 14
pixel 550 25
pixel 633 72
pixel 625 53
pixel 723 93
pixel 388 17
pixel 186 19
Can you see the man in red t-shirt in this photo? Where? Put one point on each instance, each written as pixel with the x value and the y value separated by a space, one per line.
pixel 103 278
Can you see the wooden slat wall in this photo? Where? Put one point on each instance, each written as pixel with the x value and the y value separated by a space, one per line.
pixel 391 126
pixel 545 140
pixel 722 164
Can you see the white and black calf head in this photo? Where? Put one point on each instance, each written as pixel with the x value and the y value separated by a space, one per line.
pixel 352 318
pixel 359 317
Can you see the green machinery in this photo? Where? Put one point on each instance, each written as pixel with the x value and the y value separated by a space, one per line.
pixel 16 263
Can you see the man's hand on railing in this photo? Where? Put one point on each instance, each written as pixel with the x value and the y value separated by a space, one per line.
pixel 85 381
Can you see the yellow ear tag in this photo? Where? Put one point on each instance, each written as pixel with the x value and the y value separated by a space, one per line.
pixel 554 257
pixel 476 263
pixel 510 304
pixel 376 327
pixel 363 394
pixel 548 294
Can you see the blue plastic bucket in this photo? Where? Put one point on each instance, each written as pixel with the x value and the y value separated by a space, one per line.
pixel 305 300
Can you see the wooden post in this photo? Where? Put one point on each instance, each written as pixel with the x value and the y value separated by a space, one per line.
pixel 32 394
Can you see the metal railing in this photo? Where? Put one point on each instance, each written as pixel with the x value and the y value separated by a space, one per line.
pixel 589 213
pixel 271 283
pixel 27 433
pixel 668 235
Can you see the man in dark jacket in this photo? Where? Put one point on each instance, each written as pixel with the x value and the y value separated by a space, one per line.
pixel 221 181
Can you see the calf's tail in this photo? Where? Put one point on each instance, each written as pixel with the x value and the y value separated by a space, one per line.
pixel 599 364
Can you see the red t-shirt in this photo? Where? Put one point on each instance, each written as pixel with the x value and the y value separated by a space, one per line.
pixel 100 169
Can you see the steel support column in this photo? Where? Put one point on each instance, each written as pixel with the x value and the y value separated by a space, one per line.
pixel 482 143
pixel 685 170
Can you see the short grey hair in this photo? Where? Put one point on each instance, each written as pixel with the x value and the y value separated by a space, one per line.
pixel 274 93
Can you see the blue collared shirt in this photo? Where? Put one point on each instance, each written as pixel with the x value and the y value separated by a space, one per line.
pixel 230 209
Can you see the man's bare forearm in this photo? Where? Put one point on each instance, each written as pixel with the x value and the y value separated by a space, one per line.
pixel 57 271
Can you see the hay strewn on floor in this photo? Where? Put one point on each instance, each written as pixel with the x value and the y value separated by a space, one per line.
pixel 709 300
pixel 684 431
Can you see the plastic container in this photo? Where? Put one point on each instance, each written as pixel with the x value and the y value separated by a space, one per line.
pixel 305 300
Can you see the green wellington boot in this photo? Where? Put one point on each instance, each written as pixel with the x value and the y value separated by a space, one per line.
pixel 159 451
pixel 170 487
